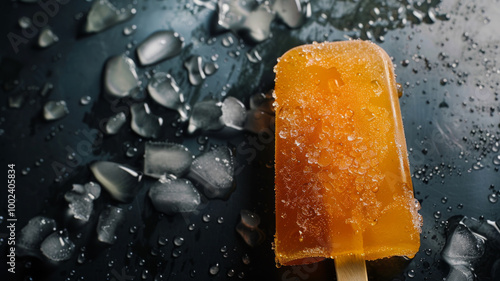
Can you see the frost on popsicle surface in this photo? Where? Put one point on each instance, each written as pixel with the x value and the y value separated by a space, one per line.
pixel 214 171
pixel 172 196
pixel 164 158
pixel 120 181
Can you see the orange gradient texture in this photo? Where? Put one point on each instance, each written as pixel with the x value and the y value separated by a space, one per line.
pixel 342 182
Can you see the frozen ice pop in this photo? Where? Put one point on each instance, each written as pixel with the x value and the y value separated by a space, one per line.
pixel 342 184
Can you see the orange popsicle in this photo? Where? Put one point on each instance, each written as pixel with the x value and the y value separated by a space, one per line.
pixel 343 184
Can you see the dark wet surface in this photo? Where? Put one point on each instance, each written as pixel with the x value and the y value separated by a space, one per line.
pixel 446 59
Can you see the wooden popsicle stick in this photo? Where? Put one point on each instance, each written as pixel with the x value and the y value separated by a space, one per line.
pixel 351 268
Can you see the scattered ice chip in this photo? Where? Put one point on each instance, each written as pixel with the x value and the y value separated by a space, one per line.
pixel 164 158
pixel 115 123
pixel 53 110
pixel 32 235
pixel 109 219
pixel 159 46
pixel 214 171
pixel 47 38
pixel 24 22
pixel 120 181
pixel 248 228
pixel 462 250
pixel 233 113
pixel 120 76
pixel 80 200
pixel 259 121
pixel 249 17
pixel 164 90
pixel 16 100
pixel 47 87
pixel 103 15
pixel 172 196
pixel 144 123
pixel 291 12
pixel 195 70
pixel 206 115
pixel 57 246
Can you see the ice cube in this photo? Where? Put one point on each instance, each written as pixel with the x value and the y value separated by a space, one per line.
pixel 144 123
pixel 163 89
pixel 195 70
pixel 32 235
pixel 249 17
pixel 164 158
pixel 214 171
pixel 259 121
pixel 206 115
pixel 233 113
pixel 248 228
pixel 103 15
pixel 53 110
pixel 462 250
pixel 120 181
pixel 290 12
pixel 115 123
pixel 120 77
pixel 80 200
pixel 159 46
pixel 109 219
pixel 486 228
pixel 172 196
pixel 57 246
pixel 47 38
pixel 16 100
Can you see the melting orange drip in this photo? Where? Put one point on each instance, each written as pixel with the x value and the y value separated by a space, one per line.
pixel 342 176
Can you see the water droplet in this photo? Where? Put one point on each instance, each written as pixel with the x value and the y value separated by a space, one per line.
pixel 245 259
pixel 128 30
pixel 493 198
pixel 444 200
pixel 133 229
pixel 85 100
pixel 437 214
pixel 428 251
pixel 131 152
pixel 230 272
pixel 191 227
pixel 214 269
pixel 195 71
pixel 411 273
pixel 210 68
pixel 206 218
pixel 162 240
pixel 220 220
pixel 176 253
pixel 178 241
pixel 160 45
pixel 496 159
